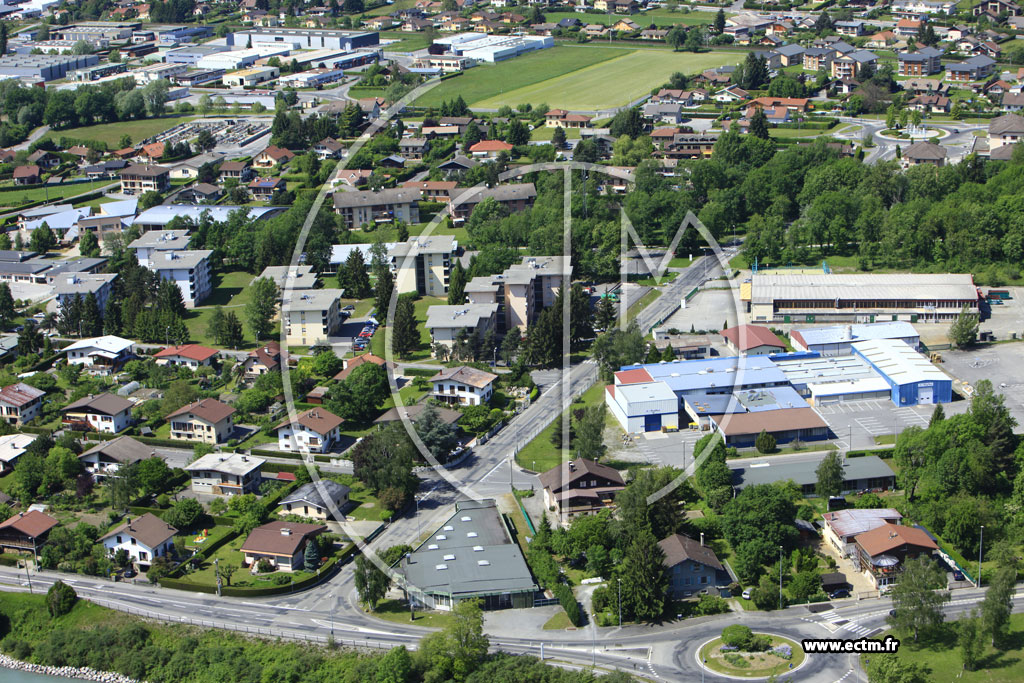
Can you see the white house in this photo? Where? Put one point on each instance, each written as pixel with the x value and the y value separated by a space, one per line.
pixel 106 457
pixel 226 474
pixel 189 269
pixel 12 446
pixel 101 355
pixel 190 356
pixel 20 403
pixel 463 385
pixel 309 500
pixel 316 430
pixel 145 538
pixel 100 413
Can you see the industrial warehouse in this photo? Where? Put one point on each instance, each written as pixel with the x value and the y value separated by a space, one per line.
pixel 741 396
pixel 862 298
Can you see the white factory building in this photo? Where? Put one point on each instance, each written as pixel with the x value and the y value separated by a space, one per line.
pixel 838 340
pixel 493 48
pixel 647 407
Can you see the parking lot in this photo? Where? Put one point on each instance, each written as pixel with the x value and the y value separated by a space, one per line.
pixel 707 310
pixel 855 424
pixel 1003 364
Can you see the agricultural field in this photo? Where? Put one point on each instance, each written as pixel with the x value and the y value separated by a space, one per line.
pixel 492 80
pixel 612 82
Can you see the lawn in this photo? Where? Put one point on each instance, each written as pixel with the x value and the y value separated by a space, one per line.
pixel 941 656
pixel 660 18
pixel 636 307
pixel 229 554
pixel 543 134
pixel 489 80
pixel 369 508
pixel 111 133
pixel 751 665
pixel 559 622
pixel 609 83
pixel 16 196
pixel 540 455
pixel 230 290
pixel 393 610
pixel 407 42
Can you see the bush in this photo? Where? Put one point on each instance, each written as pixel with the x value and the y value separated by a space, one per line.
pixel 736 660
pixel 567 599
pixel 602 598
pixel 710 604
pixel 765 442
pixel 737 635
pixel 60 599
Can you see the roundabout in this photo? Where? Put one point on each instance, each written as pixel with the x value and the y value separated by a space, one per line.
pixel 913 134
pixel 781 656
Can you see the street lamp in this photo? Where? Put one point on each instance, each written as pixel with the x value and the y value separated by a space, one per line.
pixel 981 545
pixel 619 580
pixel 780 577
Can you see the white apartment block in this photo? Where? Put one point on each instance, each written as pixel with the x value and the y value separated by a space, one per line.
pixel 190 270
pixel 423 264
pixel 311 316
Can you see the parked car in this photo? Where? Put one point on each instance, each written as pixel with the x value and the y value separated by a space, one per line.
pixel 841 593
pixel 958 575
pixel 130 572
pixel 746 594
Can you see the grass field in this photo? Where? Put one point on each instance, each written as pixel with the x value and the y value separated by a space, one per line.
pixel 407 42
pixel 612 82
pixel 16 196
pixel 660 18
pixel 111 133
pixel 491 80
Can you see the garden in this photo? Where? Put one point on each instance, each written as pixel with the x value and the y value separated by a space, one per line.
pixel 742 653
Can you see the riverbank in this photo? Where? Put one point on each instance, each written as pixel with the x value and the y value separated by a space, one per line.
pixel 81 673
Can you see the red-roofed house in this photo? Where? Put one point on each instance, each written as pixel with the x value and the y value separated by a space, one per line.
pixel 881 552
pixel 187 355
pixel 26 531
pixel 26 175
pixel 489 149
pixel 751 340
pixel 272 156
pixel 20 403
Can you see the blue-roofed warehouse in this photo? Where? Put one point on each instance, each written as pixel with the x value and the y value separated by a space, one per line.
pixel 837 340
pixel 912 379
pixel 158 217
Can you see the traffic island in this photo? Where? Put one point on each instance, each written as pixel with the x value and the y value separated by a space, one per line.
pixel 741 653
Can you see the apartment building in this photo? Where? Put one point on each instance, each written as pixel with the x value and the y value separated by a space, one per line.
pixel 366 207
pixel 139 178
pixel 311 316
pixel 67 287
pixel 522 291
pixel 446 323
pixel 188 269
pixel 423 264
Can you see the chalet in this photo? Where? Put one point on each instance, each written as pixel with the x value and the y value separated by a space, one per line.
pixel 924 152
pixel 328 148
pixel 237 170
pixel 490 149
pixel 732 93
pixel 930 104
pixel 907 28
pixel 106 457
pixel 1012 101
pixel 12 447
pixel 350 364
pixel 272 156
pixel 199 193
pixel 882 39
pixel 43 159
pixel 463 385
pixel 432 190
pixel 101 355
pixel 25 532
pixel 580 487
pixel 266 358
pixel 139 179
pixel 144 538
pixel 672 96
pixel 560 118
pixel 104 413
pixel 264 189
pixel 692 567
pixel 413 148
pixel 1004 130
pixel 26 175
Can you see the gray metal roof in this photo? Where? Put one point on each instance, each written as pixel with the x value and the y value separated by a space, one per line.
pixel 464 315
pixel 176 260
pixel 857 287
pixel 770 470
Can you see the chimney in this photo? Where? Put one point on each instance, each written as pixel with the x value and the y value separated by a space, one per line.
pixel 702 539
pixel 286 531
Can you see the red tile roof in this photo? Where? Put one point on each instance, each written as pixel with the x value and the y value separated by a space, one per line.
pixel 195 352
pixel 209 409
pixel 746 337
pixel 491 146
pixel 637 376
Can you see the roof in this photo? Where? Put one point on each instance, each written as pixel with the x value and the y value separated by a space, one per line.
pixel 167 240
pixel 277 153
pixel 801 470
pixel 104 404
pixel 1007 123
pixel 234 166
pixel 269 355
pixel 310 300
pixel 13 445
pixel 165 213
pixel 465 375
pixel 499 193
pixel 123 449
pixel 296 277
pixel 647 391
pixel 208 409
pixel 149 530
pixel 679 548
pixel 353 363
pixel 855 521
pixel 636 376
pixel 313 491
pixel 397 195
pixel 180 260
pixel 19 394
pixel 447 415
pixel 32 523
pixel 491 146
pixel 228 463
pixel 746 337
pixel 318 420
pixel 280 538
pixel 895 359
pixel 859 286
pixel 26 171
pixel 738 424
pixel 196 352
pixel 925 150
pixel 145 171
pixel 888 537
pixel 716 373
pixel 464 315
pixel 108 344
pixel 562 476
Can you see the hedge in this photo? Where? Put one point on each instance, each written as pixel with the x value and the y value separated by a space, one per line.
pixel 567 599
pixel 418 372
pixel 880 452
pixel 167 443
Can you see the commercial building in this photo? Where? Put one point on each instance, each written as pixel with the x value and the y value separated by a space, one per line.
pixel 312 78
pixel 912 378
pixel 833 379
pixel 471 556
pixel 867 472
pixel 188 269
pixel 43 67
pixel 191 54
pixel 157 72
pixel 647 407
pixel 481 47
pixel 752 340
pixel 95 32
pixel 247 78
pixel 446 323
pixel 233 60
pixel 311 316
pixel 796 424
pixel 838 340
pixel 422 264
pixel 306 39
pixel 365 207
pixel 199 77
pixel 158 217
pixel 93 73
pixel 859 297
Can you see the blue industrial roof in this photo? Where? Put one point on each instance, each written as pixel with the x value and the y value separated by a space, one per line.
pixel 715 373
pixel 864 332
pixel 713 404
pixel 165 213
pixel 776 398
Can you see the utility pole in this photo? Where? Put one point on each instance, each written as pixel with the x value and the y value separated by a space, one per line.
pixel 780 577
pixel 981 545
pixel 216 570
pixel 619 580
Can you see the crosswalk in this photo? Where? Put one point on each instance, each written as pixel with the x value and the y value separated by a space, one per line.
pixel 837 622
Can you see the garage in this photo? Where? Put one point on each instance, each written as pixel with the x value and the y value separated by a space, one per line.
pixel 643 407
pixel 652 423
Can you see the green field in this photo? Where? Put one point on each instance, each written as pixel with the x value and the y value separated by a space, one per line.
pixel 491 80
pixel 16 196
pixel 111 133
pixel 612 82
pixel 407 42
pixel 645 19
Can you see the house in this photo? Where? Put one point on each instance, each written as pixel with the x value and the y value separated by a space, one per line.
pixel 366 207
pixel 151 152
pixel 676 96
pixel 104 413
pixel 923 62
pixel 207 420
pixel 198 193
pixel 882 39
pixel 580 487
pixel 282 544
pixel 653 34
pixel 795 104
pixel 106 457
pixel 262 360
pixel 20 403
pixel 144 538
pixel 191 356
pixel 692 567
pixel 463 385
pixel 924 152
pixel 842 526
pixel 907 28
pixel 996 8
pixel 317 500
pixel 226 474
pixel 691 146
pixel 25 532
pixel 752 340
pixel 433 190
pixel 264 189
pixel 925 86
pixel 139 179
pixel 311 316
pixel 1012 101
pixel 457 166
pixel 272 156
pixel 314 431
pixel 101 355
pixel 490 149
pixel 881 552
pixel 853 27
pixel 664 112
pixel 237 170
pixel 731 93
pixel 350 364
pixel 26 175
pixel 934 104
pixel 43 159
pixel 12 447
pixel 560 118
pixel 1003 130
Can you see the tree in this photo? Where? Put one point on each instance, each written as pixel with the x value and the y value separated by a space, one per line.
pixel 206 141
pixel 352 276
pixel 617 348
pixel 153 475
pixel 155 95
pixel 405 335
pixel 720 21
pixel 92 319
pixel 694 39
pixel 261 307
pixel 998 604
pixel 371 583
pixel 184 514
pixel 395 666
pixel 311 558
pixel 360 396
pixel 327 364
pixel 675 37
pixel 759 124
pixel 60 599
pixel 233 335
pixel 605 315
pixel 437 435
pixel 969 638
pixel 830 475
pixel 644 580
pixel 765 442
pixel 43 239
pixel 227 570
pixel 962 333
pixel 629 122
pixel 7 309
pixel 3 38
pixel 558 138
pixel 457 285
pixel 917 604
pixel 889 669
pixel 459 649
pixel 147 200
pixel 89 245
